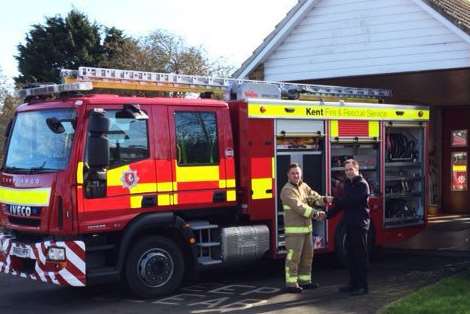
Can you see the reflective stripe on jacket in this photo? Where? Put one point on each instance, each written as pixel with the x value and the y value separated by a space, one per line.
pixel 297 204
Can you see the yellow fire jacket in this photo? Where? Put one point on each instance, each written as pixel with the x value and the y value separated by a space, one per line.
pixel 298 204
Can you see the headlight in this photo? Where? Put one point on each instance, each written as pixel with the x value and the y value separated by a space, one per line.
pixel 56 253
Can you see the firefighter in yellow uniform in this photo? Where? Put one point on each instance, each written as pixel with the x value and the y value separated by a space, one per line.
pixel 298 201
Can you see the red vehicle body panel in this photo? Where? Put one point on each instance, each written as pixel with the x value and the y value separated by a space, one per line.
pixel 247 175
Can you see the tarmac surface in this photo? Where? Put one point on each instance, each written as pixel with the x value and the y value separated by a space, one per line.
pixel 443 233
pixel 257 288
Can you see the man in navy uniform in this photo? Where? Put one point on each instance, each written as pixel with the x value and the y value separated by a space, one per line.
pixel 353 203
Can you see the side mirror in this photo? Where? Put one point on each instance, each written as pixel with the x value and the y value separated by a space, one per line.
pixel 55 125
pixel 131 111
pixel 98 144
pixel 98 123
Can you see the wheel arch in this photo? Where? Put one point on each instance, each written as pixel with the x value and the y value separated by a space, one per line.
pixel 163 224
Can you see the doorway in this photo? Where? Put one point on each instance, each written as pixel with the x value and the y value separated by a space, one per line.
pixel 455 154
pixel 301 142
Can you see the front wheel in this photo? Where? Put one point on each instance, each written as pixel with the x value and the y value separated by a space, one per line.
pixel 154 267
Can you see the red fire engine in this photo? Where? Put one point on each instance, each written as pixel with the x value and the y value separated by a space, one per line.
pixel 98 187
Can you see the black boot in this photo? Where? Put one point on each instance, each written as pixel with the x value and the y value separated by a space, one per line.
pixel 292 289
pixel 360 291
pixel 312 285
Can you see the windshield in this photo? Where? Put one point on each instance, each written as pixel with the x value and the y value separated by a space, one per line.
pixel 41 141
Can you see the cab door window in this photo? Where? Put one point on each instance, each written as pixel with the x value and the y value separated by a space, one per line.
pixel 128 140
pixel 196 138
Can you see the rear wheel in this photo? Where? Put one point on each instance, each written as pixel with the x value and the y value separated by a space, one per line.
pixel 154 267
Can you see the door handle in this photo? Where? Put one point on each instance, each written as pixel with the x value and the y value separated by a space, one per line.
pixel 219 196
pixel 149 201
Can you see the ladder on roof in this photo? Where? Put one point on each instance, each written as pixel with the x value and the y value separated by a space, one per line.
pixel 116 79
pixel 209 82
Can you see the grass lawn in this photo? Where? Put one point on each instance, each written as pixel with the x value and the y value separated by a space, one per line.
pixel 450 295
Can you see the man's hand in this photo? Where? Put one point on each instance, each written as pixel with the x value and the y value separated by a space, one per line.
pixel 329 199
pixel 321 215
pixel 311 201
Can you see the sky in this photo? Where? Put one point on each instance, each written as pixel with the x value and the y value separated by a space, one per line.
pixel 230 29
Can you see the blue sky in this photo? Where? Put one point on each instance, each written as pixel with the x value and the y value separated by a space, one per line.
pixel 231 29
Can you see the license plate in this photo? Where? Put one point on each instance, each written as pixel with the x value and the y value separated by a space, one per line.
pixel 21 251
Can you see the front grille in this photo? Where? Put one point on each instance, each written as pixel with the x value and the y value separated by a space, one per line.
pixel 21 221
pixel 28 238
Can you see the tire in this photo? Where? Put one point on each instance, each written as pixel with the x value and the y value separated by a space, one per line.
pixel 154 267
pixel 340 243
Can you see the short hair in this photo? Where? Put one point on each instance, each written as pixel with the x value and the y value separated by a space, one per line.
pixel 353 162
pixel 293 165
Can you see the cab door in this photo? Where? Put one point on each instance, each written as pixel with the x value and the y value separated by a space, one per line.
pixel 202 154
pixel 129 179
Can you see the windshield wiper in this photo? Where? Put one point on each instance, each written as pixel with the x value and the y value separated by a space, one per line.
pixel 41 168
pixel 15 169
pixel 28 170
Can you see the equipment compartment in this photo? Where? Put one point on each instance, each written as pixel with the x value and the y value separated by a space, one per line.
pixel 404 175
pixel 366 154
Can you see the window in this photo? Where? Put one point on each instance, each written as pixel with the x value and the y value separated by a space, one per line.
pixel 128 140
pixel 459 171
pixel 459 138
pixel 35 147
pixel 196 138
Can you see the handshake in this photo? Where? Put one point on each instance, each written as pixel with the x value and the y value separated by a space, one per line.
pixel 321 215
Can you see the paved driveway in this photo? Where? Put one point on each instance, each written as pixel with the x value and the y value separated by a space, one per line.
pixel 443 233
pixel 440 251
pixel 254 289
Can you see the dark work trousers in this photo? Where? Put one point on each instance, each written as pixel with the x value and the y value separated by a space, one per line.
pixel 356 246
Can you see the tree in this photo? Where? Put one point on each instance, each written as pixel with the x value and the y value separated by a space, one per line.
pixel 169 53
pixel 4 88
pixel 221 68
pixel 8 111
pixel 74 41
pixel 8 104
pixel 61 43
pixel 121 51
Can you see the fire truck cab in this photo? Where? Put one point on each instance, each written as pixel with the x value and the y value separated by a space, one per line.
pixel 98 187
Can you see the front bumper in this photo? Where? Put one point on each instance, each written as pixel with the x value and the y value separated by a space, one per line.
pixel 28 260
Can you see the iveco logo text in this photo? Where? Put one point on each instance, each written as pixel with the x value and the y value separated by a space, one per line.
pixel 20 180
pixel 20 210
